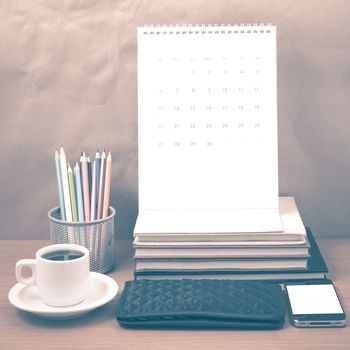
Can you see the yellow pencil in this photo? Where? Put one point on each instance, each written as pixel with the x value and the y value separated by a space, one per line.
pixel 73 198
pixel 85 178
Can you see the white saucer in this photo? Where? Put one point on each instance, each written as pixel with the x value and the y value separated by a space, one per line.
pixel 102 289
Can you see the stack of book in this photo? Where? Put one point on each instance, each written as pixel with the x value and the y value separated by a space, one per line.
pixel 289 254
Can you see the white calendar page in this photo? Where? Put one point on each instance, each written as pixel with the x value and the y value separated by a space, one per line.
pixel 207 123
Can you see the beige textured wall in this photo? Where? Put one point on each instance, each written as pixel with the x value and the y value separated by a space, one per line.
pixel 68 77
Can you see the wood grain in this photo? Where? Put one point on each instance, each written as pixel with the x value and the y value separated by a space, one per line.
pixel 99 330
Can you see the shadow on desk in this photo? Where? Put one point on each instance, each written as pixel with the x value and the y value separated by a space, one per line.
pixel 102 314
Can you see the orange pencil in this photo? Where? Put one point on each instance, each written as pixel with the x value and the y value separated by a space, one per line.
pixel 101 186
pixel 107 185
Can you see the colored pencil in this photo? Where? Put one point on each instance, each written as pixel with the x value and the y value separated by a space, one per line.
pixel 93 193
pixel 73 198
pixel 98 168
pixel 85 182
pixel 107 186
pixel 59 184
pixel 79 191
pixel 101 185
pixel 65 185
pixel 90 175
pixel 84 190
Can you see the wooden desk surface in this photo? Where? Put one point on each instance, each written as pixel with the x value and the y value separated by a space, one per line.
pixel 99 330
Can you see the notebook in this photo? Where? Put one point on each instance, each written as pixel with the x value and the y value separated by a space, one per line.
pixel 212 252
pixel 271 264
pixel 207 119
pixel 293 234
pixel 316 268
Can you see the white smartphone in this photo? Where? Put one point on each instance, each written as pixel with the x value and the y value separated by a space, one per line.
pixel 314 303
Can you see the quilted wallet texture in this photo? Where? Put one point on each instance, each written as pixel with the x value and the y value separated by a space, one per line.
pixel 201 304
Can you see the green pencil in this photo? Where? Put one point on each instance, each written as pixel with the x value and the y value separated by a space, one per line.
pixel 73 196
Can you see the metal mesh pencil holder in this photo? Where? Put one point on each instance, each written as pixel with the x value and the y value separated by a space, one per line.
pixel 97 236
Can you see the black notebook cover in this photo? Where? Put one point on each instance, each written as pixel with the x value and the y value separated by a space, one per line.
pixel 316 262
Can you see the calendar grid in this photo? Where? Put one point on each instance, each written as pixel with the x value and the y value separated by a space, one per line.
pixel 207 117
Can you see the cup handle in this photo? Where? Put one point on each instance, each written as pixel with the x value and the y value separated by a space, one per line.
pixel 31 263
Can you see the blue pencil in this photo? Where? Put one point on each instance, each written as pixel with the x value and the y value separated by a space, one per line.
pixel 98 170
pixel 79 191
pixel 89 174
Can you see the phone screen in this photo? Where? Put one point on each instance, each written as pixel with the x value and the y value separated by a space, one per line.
pixel 313 299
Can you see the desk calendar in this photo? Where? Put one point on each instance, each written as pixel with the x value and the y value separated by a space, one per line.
pixel 207 118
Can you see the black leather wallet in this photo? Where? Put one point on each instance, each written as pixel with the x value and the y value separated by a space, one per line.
pixel 201 304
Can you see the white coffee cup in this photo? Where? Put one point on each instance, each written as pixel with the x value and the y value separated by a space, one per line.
pixel 59 282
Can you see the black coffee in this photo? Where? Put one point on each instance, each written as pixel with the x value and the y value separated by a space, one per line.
pixel 63 255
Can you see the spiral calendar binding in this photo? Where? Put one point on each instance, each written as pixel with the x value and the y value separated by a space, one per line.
pixel 180 29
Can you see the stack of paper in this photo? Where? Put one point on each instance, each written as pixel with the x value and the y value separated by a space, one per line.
pixel 227 254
